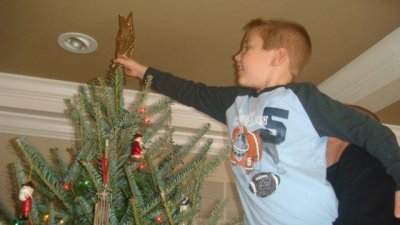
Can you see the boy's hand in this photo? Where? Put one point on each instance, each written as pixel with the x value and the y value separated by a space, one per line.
pixel 397 204
pixel 132 68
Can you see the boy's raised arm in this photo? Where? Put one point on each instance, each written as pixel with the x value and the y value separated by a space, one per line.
pixel 213 101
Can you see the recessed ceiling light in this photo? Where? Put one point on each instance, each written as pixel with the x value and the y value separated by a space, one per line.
pixel 77 42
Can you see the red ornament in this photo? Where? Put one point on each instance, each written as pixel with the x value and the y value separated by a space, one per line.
pixel 66 186
pixel 159 219
pixel 143 110
pixel 25 195
pixel 137 146
pixel 105 164
pixel 27 207
pixel 104 169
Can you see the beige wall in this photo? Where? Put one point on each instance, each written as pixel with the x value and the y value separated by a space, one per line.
pixel 217 186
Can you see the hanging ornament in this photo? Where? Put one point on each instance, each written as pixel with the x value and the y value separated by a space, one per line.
pixel 102 207
pixel 143 110
pixel 159 219
pixel 137 147
pixel 185 204
pixel 66 186
pixel 25 195
pixel 104 168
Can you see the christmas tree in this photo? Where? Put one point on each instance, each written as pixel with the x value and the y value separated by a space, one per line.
pixel 125 167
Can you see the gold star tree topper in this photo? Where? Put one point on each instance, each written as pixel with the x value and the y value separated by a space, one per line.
pixel 125 40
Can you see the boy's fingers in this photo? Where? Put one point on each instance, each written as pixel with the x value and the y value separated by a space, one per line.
pixel 119 60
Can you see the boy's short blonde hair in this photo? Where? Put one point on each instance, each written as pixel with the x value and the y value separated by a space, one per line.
pixel 278 33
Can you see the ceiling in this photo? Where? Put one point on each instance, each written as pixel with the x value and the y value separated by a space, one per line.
pixel 195 39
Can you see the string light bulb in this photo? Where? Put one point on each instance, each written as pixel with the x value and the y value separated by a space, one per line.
pixel 159 219
pixel 143 110
pixel 66 186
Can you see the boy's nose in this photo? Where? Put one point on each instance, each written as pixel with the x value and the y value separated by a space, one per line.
pixel 237 57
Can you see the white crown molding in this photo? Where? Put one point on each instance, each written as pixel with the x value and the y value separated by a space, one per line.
pixel 396 131
pixel 35 107
pixel 372 75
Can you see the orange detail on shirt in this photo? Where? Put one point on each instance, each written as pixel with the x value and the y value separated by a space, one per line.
pixel 251 154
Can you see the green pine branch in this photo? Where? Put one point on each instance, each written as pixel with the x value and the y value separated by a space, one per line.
pixel 40 166
pixel 217 213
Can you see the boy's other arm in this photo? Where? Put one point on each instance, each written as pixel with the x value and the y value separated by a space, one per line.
pixel 332 118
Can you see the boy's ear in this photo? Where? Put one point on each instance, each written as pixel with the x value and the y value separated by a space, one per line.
pixel 280 57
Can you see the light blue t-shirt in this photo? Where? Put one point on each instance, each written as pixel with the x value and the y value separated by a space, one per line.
pixel 285 182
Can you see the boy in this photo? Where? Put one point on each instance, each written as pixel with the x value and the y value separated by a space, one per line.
pixel 278 128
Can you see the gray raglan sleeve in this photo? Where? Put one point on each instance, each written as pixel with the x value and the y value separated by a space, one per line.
pixel 332 118
pixel 214 101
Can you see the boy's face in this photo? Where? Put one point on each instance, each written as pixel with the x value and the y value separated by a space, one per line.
pixel 253 62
